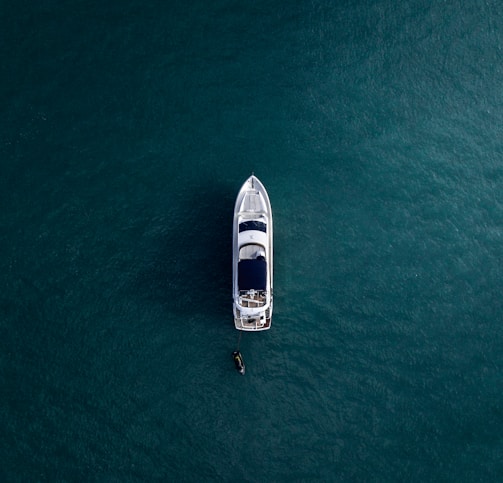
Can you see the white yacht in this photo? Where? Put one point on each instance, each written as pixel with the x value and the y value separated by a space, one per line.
pixel 252 257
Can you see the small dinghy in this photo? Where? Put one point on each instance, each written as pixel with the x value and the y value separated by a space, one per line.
pixel 238 362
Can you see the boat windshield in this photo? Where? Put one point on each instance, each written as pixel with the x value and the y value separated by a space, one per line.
pixel 252 225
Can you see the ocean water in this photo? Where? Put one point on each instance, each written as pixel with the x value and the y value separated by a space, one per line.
pixel 127 129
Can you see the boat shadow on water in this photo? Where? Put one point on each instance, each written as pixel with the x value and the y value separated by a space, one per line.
pixel 188 272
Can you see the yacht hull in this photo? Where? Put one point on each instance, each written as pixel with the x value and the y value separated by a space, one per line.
pixel 252 254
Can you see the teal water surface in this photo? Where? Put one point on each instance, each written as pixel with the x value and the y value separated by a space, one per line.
pixel 127 129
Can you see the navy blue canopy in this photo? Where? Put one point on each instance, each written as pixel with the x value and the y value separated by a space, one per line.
pixel 252 274
pixel 252 225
